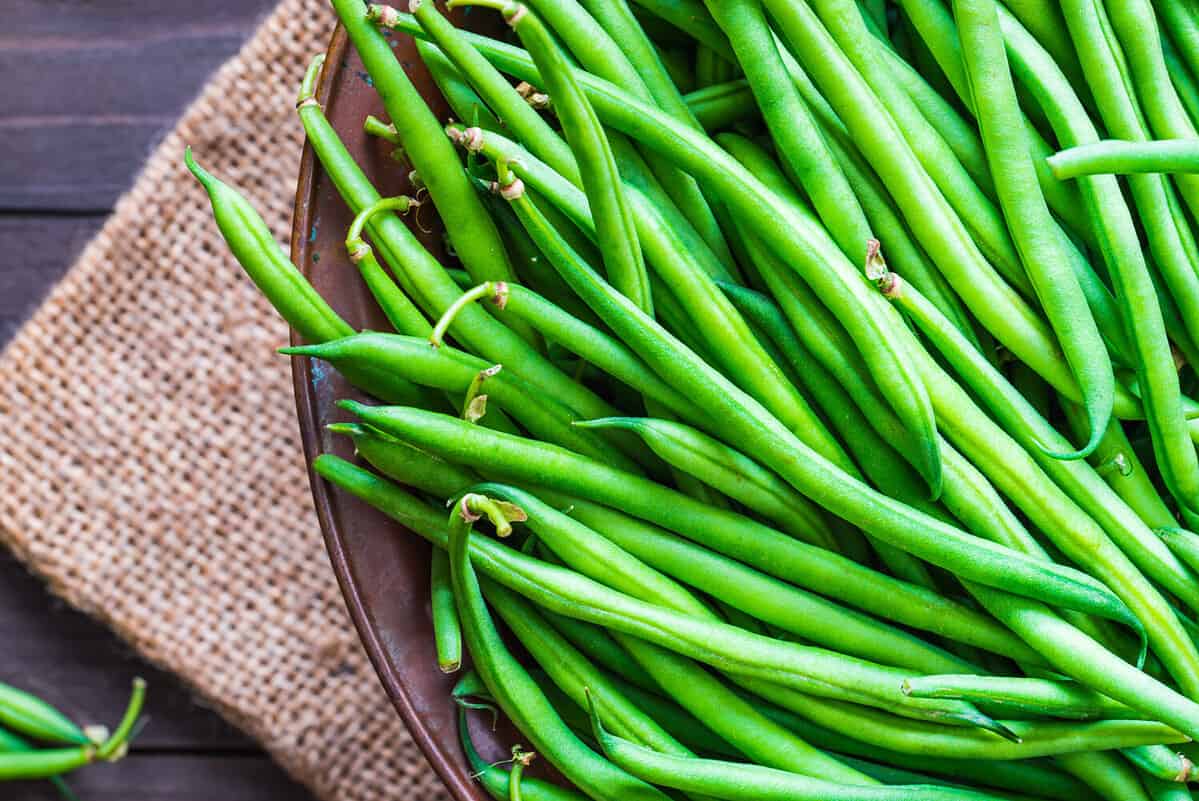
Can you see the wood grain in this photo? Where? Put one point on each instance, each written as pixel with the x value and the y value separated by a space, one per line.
pixel 90 88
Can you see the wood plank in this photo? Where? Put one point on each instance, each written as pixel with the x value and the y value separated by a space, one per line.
pixel 93 87
pixel 143 777
pixel 116 18
pixel 34 252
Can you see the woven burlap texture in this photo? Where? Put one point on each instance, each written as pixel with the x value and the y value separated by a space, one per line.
pixel 152 470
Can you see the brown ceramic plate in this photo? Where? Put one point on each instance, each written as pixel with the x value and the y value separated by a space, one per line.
pixel 382 568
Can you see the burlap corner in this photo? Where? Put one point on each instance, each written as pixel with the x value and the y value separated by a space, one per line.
pixel 152 470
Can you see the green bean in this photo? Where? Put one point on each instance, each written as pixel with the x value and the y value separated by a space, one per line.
pixel 464 101
pixel 1181 77
pixel 470 229
pixel 1041 250
pixel 1119 157
pixel 29 715
pixel 730 472
pixel 424 280
pixel 1170 240
pixel 735 780
pixel 449 369
pixel 1024 776
pixel 447 633
pixel 799 239
pixel 510 684
pixel 251 243
pixel 11 743
pixel 51 762
pixel 573 673
pixel 399 310
pixel 720 105
pixel 517 115
pixel 1035 738
pixel 1136 29
pixel 1034 696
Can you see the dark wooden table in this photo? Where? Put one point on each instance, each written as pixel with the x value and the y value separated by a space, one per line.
pixel 89 88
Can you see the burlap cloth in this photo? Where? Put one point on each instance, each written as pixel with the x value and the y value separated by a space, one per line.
pixel 151 470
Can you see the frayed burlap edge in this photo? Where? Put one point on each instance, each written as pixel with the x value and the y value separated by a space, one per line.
pixel 152 472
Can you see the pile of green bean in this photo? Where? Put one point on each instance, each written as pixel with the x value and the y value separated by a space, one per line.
pixel 824 400
pixel 37 741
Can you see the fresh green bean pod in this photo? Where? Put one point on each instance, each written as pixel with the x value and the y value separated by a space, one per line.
pixel 465 103
pixel 447 633
pixel 799 239
pixel 27 714
pixel 1183 543
pixel 618 20
pixel 1118 464
pixel 510 684
pixel 730 472
pixel 599 646
pixel 1181 77
pixel 1163 790
pixel 1122 157
pixel 691 17
pixel 453 370
pixel 597 557
pixel 1042 250
pixel 1032 696
pixel 595 347
pixel 1182 27
pixel 1035 738
pixel 271 270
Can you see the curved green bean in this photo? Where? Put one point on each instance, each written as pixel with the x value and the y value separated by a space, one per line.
pixel 1041 250
pixel 447 633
